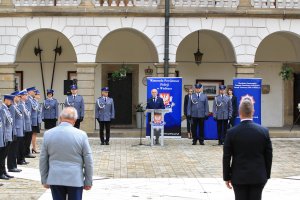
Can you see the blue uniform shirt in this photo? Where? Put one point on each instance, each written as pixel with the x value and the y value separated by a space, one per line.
pixel 17 116
pixel 50 109
pixel 7 123
pixel 76 102
pixel 105 109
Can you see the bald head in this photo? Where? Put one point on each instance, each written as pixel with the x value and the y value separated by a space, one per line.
pixel 154 92
pixel 68 114
pixel 246 109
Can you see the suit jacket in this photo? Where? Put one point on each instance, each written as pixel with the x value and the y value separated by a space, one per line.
pixel 66 157
pixel 159 104
pixel 2 144
pixel 234 106
pixel 222 108
pixel 78 104
pixel 247 154
pixel 17 116
pixel 7 123
pixel 33 106
pixel 198 107
pixel 185 105
pixel 50 109
pixel 105 110
pixel 26 116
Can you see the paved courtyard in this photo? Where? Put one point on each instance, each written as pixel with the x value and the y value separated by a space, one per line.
pixel 127 170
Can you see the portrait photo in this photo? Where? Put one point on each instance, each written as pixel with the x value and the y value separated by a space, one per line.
pixel 210 87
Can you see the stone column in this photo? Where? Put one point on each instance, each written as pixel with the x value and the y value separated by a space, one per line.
pixel 245 70
pixel 7 78
pixel 160 69
pixel 86 88
pixel 7 4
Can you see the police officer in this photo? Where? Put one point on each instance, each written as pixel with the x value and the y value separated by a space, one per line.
pixel 27 128
pixel 32 106
pixel 2 148
pixel 198 110
pixel 222 111
pixel 18 134
pixel 76 101
pixel 36 99
pixel 104 113
pixel 7 125
pixel 50 110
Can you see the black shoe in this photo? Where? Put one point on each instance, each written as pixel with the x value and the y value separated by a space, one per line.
pixel 202 143
pixel 107 143
pixel 1 184
pixel 29 156
pixel 14 170
pixel 23 163
pixel 194 143
pixel 34 151
pixel 7 175
pixel 4 177
pixel 102 143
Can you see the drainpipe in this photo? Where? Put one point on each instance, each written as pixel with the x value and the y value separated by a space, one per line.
pixel 167 27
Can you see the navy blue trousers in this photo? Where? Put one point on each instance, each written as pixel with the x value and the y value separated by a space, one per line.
pixel 60 192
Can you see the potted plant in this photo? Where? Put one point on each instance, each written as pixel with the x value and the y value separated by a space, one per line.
pixel 120 74
pixel 286 72
pixel 140 117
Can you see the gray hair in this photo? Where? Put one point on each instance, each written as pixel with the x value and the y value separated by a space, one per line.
pixel 69 113
pixel 246 108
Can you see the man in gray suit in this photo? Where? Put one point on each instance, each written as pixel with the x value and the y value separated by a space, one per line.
pixel 198 110
pixel 104 113
pixel 75 100
pixel 222 110
pixel 66 163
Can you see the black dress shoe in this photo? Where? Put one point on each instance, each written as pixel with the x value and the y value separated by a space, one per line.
pixel 29 156
pixel 4 177
pixel 102 143
pixel 194 143
pixel 23 163
pixel 9 176
pixel 14 170
pixel 107 143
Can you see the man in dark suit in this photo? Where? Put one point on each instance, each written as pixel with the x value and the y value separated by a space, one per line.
pixel 155 102
pixel 247 156
pixel 188 118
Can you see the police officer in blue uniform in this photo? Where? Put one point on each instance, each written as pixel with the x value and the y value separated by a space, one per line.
pixel 2 148
pixel 76 101
pixel 104 113
pixel 27 128
pixel 7 125
pixel 222 111
pixel 18 134
pixel 32 106
pixel 50 110
pixel 198 109
pixel 36 99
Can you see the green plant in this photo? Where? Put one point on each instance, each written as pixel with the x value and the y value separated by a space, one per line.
pixel 139 108
pixel 286 72
pixel 120 74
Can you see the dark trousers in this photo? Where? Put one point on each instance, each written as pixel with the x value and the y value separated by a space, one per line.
pixel 61 192
pixel 12 154
pixel 77 124
pixel 222 130
pixel 198 122
pixel 21 153
pixel 27 142
pixel 231 122
pixel 105 124
pixel 248 192
pixel 50 123
pixel 3 155
pixel 188 124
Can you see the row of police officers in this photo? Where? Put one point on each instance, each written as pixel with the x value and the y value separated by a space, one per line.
pixel 196 109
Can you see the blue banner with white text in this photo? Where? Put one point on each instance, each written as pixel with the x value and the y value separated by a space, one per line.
pixel 170 90
pixel 249 88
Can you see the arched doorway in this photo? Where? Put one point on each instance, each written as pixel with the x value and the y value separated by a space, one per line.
pixel 130 48
pixel 29 62
pixel 278 106
pixel 217 62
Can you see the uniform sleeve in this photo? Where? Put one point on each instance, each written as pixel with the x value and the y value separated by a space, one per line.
pixel 66 102
pixel 56 110
pixel 96 110
pixel 206 106
pixel 13 116
pixel 112 109
pixel 43 111
pixel 189 107
pixel 82 108
pixel 214 108
pixel 88 162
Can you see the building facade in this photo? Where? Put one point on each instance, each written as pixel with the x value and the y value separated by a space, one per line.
pixel 237 38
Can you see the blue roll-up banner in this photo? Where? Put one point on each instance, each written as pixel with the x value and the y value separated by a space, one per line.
pixel 249 88
pixel 170 89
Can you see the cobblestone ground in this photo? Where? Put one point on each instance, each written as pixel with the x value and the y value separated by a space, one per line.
pixel 125 158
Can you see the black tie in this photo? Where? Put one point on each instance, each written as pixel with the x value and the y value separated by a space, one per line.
pixel 105 99
pixel 74 97
pixel 198 95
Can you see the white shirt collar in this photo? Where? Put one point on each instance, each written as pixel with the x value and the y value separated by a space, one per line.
pixel 247 119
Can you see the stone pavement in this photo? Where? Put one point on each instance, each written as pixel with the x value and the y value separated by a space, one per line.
pixel 126 170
